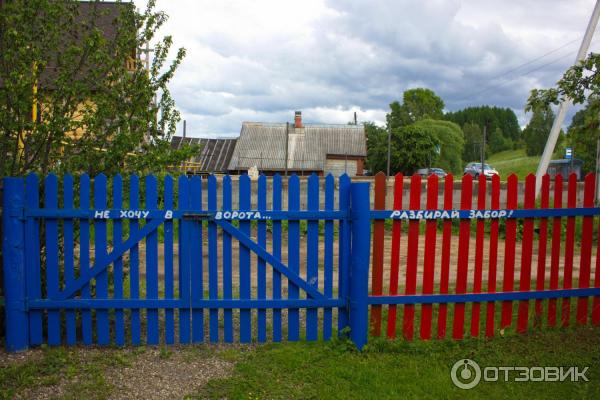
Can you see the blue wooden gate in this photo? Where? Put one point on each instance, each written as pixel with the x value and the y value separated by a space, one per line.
pixel 158 261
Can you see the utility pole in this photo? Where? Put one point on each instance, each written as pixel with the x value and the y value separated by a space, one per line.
pixel 389 149
pixel 355 121
pixel 564 105
pixel 483 147
pixel 184 128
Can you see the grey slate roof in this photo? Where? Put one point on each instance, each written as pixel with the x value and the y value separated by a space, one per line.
pixel 214 154
pixel 263 145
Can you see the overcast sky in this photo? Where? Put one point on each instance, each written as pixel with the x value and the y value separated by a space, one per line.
pixel 261 60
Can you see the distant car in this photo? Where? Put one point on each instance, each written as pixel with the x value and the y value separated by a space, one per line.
pixel 425 172
pixel 474 169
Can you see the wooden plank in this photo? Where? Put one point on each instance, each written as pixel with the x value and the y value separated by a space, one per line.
pixel 100 246
pixel 395 257
pixel 540 279
pixel 569 250
pixel 134 260
pixel 69 256
pixel 276 237
pixel 32 246
pixel 587 235
pixel 464 237
pixel 118 265
pixel 508 277
pixel 245 275
pixel 261 272
pixel 478 272
pixel 411 257
pixel 293 256
pixel 312 254
pixel 555 251
pixel 168 261
pixel 378 246
pixel 52 257
pixel 429 256
pixel 328 257
pixel 493 258
pixel 446 250
pixel 344 252
pixel 84 257
pixel 183 188
pixel 227 265
pixel 196 260
pixel 152 332
pixel 213 267
pixel 526 254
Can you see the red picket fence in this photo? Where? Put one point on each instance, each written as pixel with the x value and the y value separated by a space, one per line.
pixel 431 263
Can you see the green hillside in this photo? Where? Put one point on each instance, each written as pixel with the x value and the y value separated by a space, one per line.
pixel 514 161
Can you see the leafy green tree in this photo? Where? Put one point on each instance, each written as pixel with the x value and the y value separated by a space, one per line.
pixel 98 108
pixel 377 144
pixel 413 146
pixel 536 133
pixel 449 138
pixel 417 104
pixel 473 139
pixel 583 134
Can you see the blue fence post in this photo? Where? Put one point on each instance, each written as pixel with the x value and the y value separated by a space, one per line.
pixel 17 328
pixel 359 263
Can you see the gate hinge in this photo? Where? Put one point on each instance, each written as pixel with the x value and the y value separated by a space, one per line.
pixel 198 216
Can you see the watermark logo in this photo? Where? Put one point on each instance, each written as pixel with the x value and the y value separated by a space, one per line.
pixel 466 374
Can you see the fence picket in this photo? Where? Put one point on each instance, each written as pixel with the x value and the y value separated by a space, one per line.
pixel 227 267
pixel 478 271
pixel 261 273
pixel 152 336
pixel 555 252
pixel 118 265
pixel 84 256
pixel 587 234
pixel 344 252
pixel 328 256
pixel 183 188
pixel 312 254
pixel 245 314
pixel 445 262
pixel 213 271
pixel 378 244
pixel 395 256
pixel 52 256
pixel 411 257
pixel 293 256
pixel 569 250
pixel 429 256
pixel 168 262
pixel 100 243
pixel 69 245
pixel 32 246
pixel 493 258
pixel 277 192
pixel 197 260
pixel 542 248
pixel 526 252
pixel 464 237
pixel 508 277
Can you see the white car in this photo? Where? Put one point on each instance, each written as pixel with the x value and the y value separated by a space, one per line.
pixel 474 169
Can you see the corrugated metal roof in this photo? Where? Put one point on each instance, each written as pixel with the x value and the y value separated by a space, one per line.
pixel 214 154
pixel 263 145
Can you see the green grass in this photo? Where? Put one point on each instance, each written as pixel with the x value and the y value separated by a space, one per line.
pixel 514 161
pixel 399 369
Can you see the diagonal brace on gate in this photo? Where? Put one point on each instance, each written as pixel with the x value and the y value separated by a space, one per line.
pixel 268 257
pixel 101 265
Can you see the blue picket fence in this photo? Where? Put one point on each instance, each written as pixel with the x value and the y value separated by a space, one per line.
pixel 149 261
pixel 94 260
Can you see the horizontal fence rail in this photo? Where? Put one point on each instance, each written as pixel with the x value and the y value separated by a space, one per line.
pixel 171 260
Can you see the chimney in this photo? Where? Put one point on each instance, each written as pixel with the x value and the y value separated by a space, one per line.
pixel 298 119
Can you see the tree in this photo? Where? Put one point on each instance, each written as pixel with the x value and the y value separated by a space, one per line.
pixel 98 109
pixel 473 140
pixel 584 132
pixel 417 104
pixel 413 147
pixel 377 144
pixel 449 138
pixel 536 133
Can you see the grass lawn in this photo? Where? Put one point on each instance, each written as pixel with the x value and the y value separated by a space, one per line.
pixel 514 161
pixel 317 370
